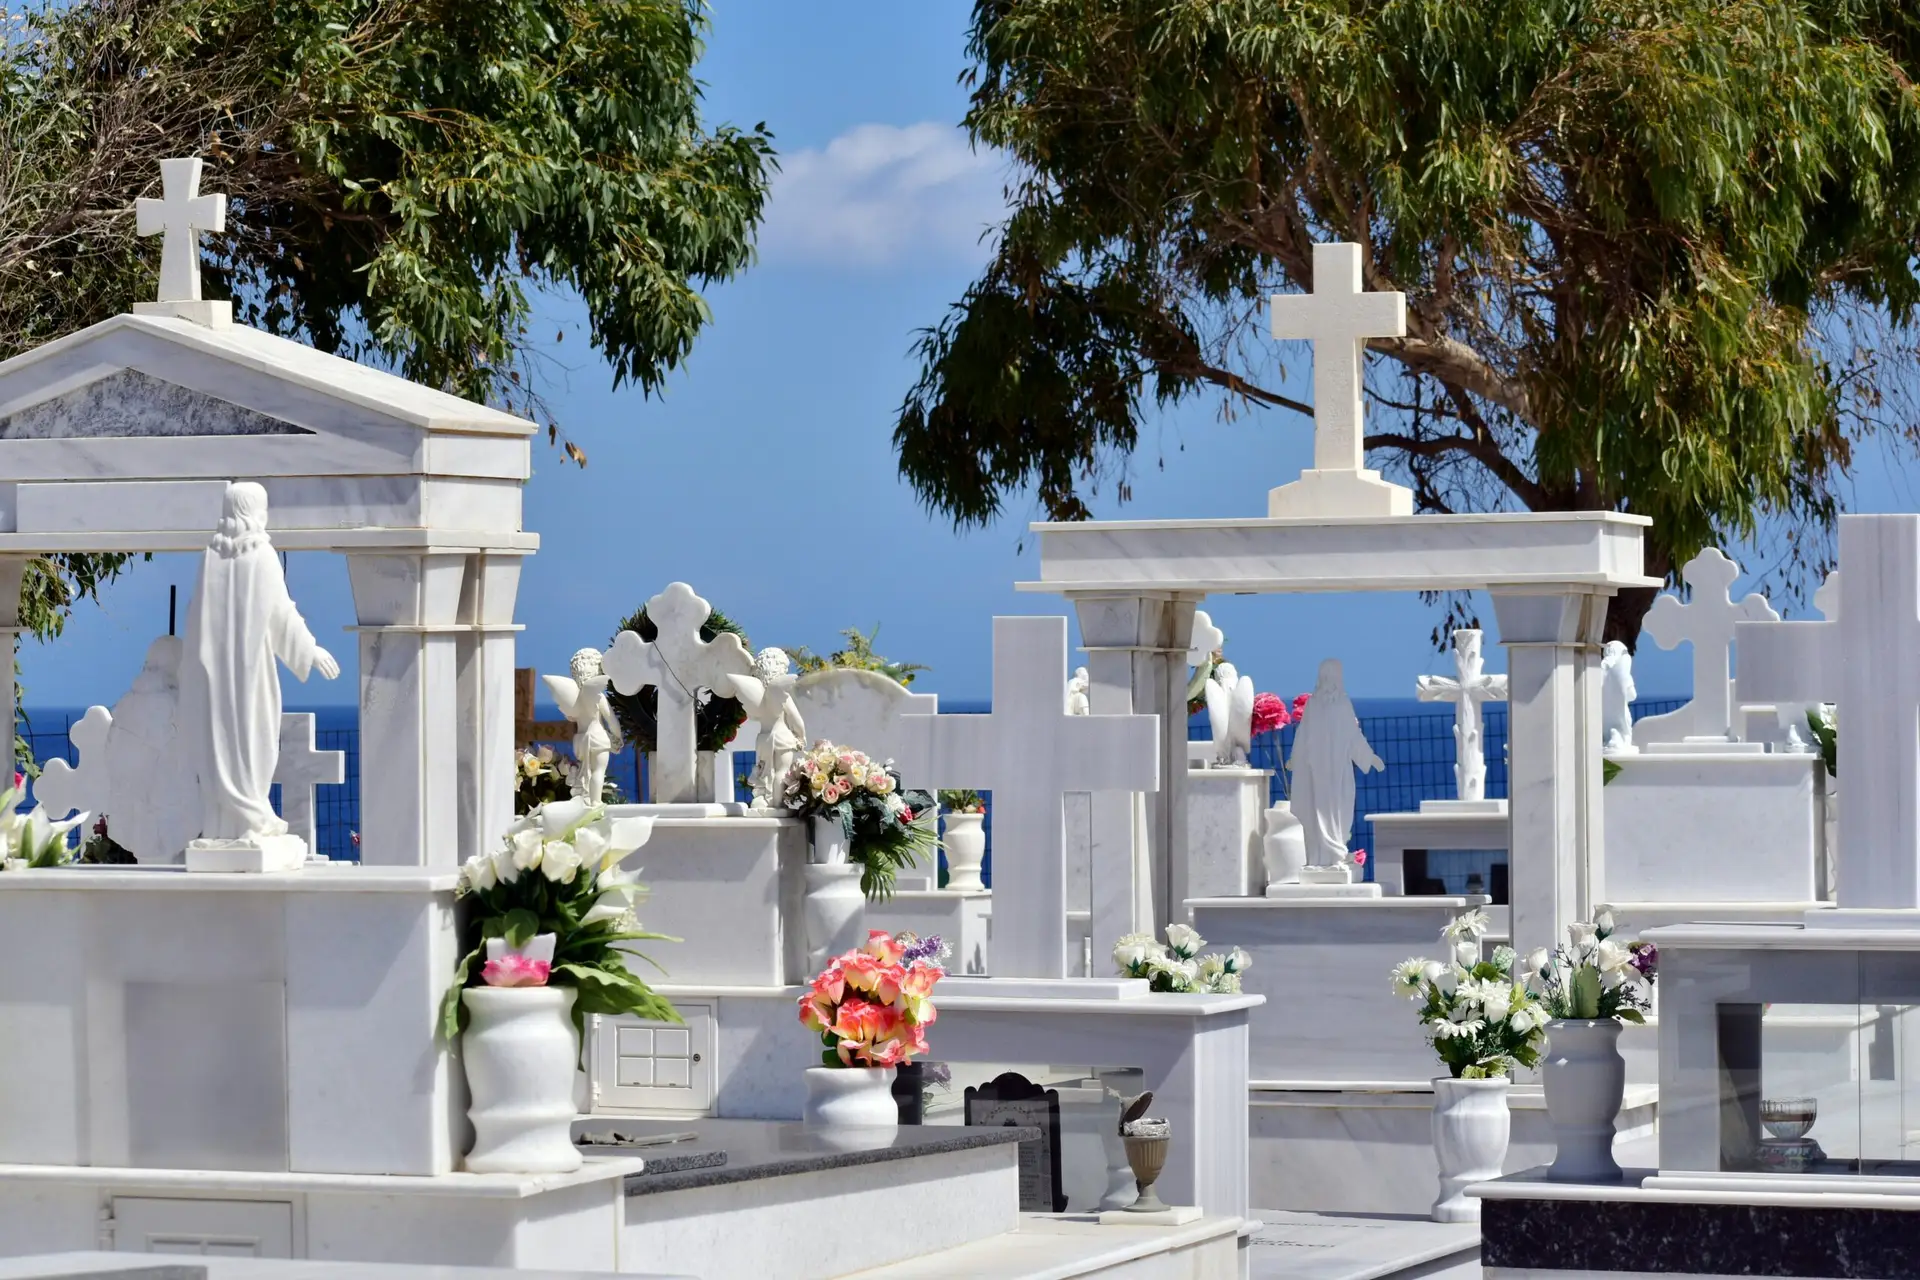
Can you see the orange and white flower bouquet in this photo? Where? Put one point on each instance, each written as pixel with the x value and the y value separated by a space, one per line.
pixel 872 1006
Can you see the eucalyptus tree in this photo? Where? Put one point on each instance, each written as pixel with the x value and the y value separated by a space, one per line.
pixel 1641 241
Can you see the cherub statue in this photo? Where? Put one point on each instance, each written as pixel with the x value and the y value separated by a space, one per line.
pixel 767 695
pixel 582 698
pixel 1077 701
pixel 1616 698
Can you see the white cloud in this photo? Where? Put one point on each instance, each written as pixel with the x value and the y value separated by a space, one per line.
pixel 881 194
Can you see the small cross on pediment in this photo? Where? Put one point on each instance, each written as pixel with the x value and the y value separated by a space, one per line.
pixel 178 217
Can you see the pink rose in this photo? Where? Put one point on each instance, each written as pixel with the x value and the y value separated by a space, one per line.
pixel 1270 713
pixel 515 970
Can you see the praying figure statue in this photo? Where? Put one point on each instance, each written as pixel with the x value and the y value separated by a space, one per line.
pixel 767 695
pixel 1616 699
pixel 241 621
pixel 582 698
pixel 1327 747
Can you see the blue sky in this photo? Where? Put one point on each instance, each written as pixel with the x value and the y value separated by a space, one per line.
pixel 765 474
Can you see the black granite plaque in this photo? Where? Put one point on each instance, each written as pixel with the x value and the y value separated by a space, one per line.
pixel 1590 1236
pixel 1013 1101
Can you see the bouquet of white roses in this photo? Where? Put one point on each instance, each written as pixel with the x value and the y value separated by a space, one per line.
pixel 552 907
pixel 1479 1020
pixel 1176 966
pixel 1592 975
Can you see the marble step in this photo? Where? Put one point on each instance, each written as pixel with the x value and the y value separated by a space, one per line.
pixel 1066 1247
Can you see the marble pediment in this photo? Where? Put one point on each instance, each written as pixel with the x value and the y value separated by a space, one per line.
pixel 129 403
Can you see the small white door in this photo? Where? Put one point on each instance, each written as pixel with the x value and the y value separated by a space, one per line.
pixel 203 1228
pixel 656 1066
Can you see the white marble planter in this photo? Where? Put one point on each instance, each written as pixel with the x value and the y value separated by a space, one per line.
pixel 966 846
pixel 1285 845
pixel 836 912
pixel 850 1098
pixel 520 1053
pixel 1584 1077
pixel 827 842
pixel 1471 1126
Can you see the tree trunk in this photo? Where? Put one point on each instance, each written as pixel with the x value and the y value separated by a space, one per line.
pixel 1627 608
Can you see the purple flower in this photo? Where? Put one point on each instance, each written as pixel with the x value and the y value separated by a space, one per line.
pixel 929 948
pixel 1646 958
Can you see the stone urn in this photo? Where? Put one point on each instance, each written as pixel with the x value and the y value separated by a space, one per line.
pixel 966 844
pixel 1585 1079
pixel 850 1098
pixel 1471 1127
pixel 520 1050
pixel 1284 845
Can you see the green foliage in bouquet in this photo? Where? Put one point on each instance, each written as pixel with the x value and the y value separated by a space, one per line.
pixel 1826 731
pixel 558 872
pixel 962 800
pixel 715 721
pixel 887 827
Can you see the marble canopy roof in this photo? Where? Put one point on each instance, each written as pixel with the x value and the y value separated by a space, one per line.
pixel 122 436
pixel 1592 550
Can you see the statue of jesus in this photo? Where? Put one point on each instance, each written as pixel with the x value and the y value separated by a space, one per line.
pixel 241 621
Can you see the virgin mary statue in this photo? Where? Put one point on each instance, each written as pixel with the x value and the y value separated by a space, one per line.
pixel 240 622
pixel 1327 747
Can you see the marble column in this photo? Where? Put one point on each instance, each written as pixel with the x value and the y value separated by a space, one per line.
pixel 408 606
pixel 485 657
pixel 12 570
pixel 1555 848
pixel 1136 646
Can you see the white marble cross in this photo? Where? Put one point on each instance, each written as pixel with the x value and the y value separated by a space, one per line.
pixel 1708 620
pixel 301 768
pixel 678 664
pixel 1471 687
pixel 1338 317
pixel 179 216
pixel 66 789
pixel 1862 659
pixel 1031 754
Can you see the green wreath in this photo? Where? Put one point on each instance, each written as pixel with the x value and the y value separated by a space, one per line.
pixel 715 721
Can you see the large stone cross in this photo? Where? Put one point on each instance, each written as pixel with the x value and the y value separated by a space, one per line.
pixel 1031 754
pixel 303 767
pixel 1863 660
pixel 1471 687
pixel 179 216
pixel 1708 620
pixel 1338 317
pixel 678 664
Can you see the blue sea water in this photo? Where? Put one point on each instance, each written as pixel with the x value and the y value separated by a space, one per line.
pixel 1414 738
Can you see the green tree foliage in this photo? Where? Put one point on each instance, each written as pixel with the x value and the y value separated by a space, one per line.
pixel 858 656
pixel 402 176
pixel 1640 239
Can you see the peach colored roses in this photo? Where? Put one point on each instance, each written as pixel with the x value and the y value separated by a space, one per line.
pixel 872 1006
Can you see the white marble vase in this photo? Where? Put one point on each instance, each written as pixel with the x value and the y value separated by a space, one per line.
pixel 1284 845
pixel 520 1050
pixel 836 910
pixel 850 1098
pixel 1584 1078
pixel 966 846
pixel 1471 1126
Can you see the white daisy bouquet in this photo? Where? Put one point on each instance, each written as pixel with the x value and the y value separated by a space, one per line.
pixel 1176 966
pixel 1594 975
pixel 1480 1020
pixel 551 906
